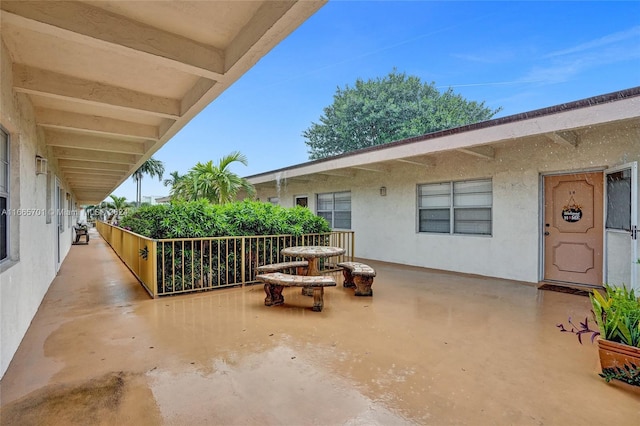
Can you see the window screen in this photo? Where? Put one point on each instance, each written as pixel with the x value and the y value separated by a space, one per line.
pixel 619 200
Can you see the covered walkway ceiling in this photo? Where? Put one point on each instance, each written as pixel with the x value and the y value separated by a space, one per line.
pixel 113 81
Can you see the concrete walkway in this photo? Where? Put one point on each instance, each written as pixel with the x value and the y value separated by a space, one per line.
pixel 429 348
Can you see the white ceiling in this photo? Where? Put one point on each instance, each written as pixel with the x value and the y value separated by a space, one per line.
pixel 113 81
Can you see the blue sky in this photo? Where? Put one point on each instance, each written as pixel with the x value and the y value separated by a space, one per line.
pixel 516 55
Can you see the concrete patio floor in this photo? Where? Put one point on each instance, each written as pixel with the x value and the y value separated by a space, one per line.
pixel 429 348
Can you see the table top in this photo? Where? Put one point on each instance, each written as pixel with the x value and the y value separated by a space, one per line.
pixel 312 251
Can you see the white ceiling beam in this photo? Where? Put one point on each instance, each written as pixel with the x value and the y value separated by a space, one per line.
pixel 64 120
pixel 90 194
pixel 51 84
pixel 75 175
pixel 195 94
pixel 115 33
pixel 165 126
pixel 262 21
pixel 81 187
pixel 96 190
pixel 87 198
pixel 72 172
pixel 94 165
pixel 94 143
pixel 567 138
pixel 92 183
pixel 89 155
pixel 91 178
pixel 486 152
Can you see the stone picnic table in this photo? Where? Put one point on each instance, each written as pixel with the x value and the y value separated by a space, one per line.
pixel 312 283
pixel 312 254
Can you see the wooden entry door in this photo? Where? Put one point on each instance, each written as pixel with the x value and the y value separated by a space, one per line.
pixel 573 228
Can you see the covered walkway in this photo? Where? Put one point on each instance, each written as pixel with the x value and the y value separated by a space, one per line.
pixel 428 348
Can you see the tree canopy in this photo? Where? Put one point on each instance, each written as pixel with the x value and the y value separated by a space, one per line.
pixel 387 109
pixel 216 183
pixel 118 204
pixel 173 180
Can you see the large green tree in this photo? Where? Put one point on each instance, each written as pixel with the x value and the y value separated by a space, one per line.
pixel 214 182
pixel 151 168
pixel 387 109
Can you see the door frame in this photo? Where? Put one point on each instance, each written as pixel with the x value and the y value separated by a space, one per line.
pixel 57 209
pixel 541 212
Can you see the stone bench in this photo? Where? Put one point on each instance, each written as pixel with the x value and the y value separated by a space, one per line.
pixel 359 276
pixel 276 281
pixel 301 267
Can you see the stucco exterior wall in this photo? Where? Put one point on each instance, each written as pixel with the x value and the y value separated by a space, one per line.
pixel 386 226
pixel 32 264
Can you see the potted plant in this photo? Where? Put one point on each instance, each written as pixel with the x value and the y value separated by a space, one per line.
pixel 617 316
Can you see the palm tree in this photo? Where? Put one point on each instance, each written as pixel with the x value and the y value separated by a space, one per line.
pixel 151 167
pixel 118 204
pixel 216 183
pixel 173 180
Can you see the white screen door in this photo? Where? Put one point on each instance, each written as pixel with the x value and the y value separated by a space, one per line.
pixel 621 225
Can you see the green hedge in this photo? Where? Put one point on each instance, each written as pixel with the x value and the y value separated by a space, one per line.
pixel 192 265
pixel 193 219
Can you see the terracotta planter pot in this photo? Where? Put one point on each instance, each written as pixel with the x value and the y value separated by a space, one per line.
pixel 614 354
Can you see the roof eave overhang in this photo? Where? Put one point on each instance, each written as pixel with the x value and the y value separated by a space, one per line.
pixel 552 122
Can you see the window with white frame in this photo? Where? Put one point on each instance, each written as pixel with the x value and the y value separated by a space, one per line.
pixel 462 207
pixel 336 208
pixel 4 195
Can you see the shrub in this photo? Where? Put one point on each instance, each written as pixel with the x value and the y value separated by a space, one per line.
pixel 193 219
pixel 188 265
pixel 144 221
pixel 616 313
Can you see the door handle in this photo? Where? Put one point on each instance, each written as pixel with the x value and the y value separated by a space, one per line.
pixel 546 233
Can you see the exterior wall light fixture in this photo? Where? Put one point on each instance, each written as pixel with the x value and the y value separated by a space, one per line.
pixel 383 191
pixel 41 165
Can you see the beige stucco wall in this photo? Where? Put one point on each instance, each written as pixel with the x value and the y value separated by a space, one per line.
pixel 385 227
pixel 26 276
